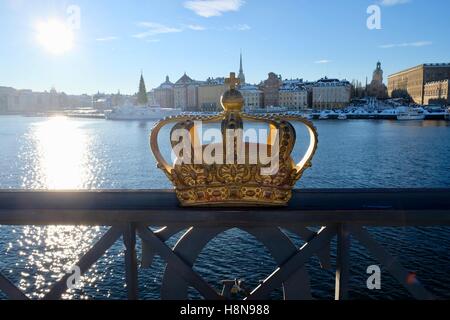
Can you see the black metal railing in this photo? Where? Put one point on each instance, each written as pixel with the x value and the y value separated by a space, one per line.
pixel 129 214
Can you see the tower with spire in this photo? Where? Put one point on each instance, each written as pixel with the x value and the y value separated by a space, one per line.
pixel 241 72
pixel 142 98
pixel 378 74
pixel 377 88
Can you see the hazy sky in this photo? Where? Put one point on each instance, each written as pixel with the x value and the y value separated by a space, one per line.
pixel 294 38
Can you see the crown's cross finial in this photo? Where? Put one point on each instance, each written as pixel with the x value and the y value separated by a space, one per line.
pixel 232 81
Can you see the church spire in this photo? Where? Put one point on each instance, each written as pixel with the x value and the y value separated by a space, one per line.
pixel 241 71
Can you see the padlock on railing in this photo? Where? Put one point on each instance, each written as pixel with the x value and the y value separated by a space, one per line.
pixel 234 289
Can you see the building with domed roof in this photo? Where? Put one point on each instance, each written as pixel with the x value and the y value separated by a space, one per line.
pixel 164 94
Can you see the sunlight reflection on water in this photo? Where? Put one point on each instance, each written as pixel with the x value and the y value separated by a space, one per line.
pixel 62 153
pixel 49 252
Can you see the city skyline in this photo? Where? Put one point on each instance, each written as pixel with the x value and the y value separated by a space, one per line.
pixel 112 45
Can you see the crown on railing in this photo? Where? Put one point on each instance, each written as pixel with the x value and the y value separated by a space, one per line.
pixel 233 170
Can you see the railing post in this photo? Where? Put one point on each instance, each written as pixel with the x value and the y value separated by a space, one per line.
pixel 342 262
pixel 131 268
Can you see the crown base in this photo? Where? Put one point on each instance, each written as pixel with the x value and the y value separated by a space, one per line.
pixel 245 196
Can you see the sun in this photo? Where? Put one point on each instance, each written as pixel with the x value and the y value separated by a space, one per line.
pixel 55 36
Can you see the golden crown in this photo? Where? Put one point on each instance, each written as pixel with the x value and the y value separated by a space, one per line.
pixel 234 171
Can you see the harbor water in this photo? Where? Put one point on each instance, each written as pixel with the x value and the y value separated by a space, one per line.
pixel 66 153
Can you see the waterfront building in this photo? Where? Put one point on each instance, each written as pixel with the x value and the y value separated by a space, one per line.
pixel 163 96
pixel 331 94
pixel 377 88
pixel 103 101
pixel 411 83
pixel 100 101
pixel 437 92
pixel 271 89
pixel 6 98
pixel 26 101
pixel 186 93
pixel 116 99
pixel 85 101
pixel 152 98
pixel 210 93
pixel 293 95
pixel 253 97
pixel 309 90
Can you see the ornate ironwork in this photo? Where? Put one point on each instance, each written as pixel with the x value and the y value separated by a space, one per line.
pixel 129 216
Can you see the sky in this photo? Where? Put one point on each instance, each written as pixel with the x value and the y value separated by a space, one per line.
pixel 85 46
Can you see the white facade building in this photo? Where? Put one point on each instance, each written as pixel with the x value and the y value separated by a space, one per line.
pixel 293 95
pixel 331 94
pixel 253 97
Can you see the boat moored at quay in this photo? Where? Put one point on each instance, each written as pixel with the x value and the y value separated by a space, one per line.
pixel 408 114
pixel 140 113
pixel 399 113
